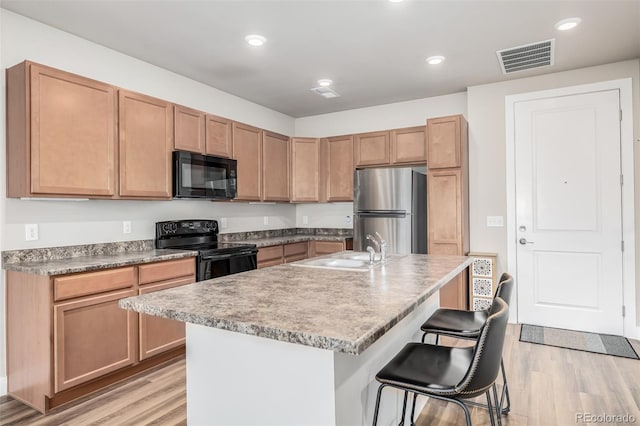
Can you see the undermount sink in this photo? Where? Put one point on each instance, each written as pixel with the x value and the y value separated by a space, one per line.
pixel 340 262
pixel 345 261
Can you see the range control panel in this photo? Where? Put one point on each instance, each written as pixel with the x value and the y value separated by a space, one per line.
pixel 186 227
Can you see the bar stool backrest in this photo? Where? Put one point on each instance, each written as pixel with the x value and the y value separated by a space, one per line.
pixel 488 352
pixel 505 287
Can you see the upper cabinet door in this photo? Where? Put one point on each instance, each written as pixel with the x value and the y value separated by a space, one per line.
pixel 372 149
pixel 247 149
pixel 275 167
pixel 409 145
pixel 189 129
pixel 305 170
pixel 340 168
pixel 146 130
pixel 218 136
pixel 444 140
pixel 73 134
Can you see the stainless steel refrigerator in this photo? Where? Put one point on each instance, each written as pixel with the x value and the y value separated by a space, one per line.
pixel 392 202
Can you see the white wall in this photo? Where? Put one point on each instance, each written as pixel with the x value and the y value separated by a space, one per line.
pixel 487 147
pixel 66 223
pixel 325 215
pixel 381 117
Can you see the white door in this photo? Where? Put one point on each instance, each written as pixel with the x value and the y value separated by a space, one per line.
pixel 568 212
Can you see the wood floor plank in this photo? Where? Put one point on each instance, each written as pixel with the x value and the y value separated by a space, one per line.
pixel 548 386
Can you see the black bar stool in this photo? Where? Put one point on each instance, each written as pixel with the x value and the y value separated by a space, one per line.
pixel 449 373
pixel 467 325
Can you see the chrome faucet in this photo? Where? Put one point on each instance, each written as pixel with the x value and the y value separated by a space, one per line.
pixel 380 244
pixel 372 255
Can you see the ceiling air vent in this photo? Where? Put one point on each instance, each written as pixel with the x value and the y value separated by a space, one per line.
pixel 325 91
pixel 534 55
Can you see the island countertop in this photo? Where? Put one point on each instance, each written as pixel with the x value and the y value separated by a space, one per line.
pixel 341 311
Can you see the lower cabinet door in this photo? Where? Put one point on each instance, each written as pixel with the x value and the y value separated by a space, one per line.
pixel 319 248
pixel 92 337
pixel 161 334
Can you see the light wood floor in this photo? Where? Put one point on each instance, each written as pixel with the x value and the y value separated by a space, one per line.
pixel 548 387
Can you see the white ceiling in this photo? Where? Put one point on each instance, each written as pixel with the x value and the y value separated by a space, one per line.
pixel 373 50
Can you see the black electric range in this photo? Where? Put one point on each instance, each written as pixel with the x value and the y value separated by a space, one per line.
pixel 215 258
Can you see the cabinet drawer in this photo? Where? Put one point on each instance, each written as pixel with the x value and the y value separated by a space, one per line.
pixel 269 253
pixel 295 249
pixel 327 247
pixel 162 271
pixel 268 263
pixel 295 258
pixel 93 282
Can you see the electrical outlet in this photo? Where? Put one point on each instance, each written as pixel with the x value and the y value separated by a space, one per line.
pixel 495 221
pixel 31 232
pixel 223 222
pixel 126 227
pixel 266 220
pixel 348 220
pixel 305 220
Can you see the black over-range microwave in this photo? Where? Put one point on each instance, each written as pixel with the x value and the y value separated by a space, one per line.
pixel 204 176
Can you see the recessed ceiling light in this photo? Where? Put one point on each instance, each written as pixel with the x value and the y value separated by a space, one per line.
pixel 435 60
pixel 324 82
pixel 567 24
pixel 255 40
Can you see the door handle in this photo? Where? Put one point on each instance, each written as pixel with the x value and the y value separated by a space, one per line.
pixel 524 241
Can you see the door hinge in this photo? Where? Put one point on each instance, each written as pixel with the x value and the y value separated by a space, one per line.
pixel 622 245
pixel 621 180
pixel 620 115
pixel 623 311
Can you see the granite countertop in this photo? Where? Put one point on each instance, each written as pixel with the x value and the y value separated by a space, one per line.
pixel 95 262
pixel 287 239
pixel 341 311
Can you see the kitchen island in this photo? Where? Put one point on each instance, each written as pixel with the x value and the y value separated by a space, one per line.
pixel 295 345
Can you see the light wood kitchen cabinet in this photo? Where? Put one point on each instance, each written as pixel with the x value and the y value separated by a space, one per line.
pixel 67 336
pixel 305 170
pixel 146 139
pixel 157 335
pixel 218 136
pixel 247 149
pixel 61 134
pixel 189 129
pixel 446 140
pixel 409 146
pixel 448 205
pixel 92 337
pixel 371 149
pixel 295 251
pixel 320 248
pixel 339 168
pixel 275 167
pixel 270 256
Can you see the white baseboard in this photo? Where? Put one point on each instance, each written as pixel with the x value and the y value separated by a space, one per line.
pixel 3 386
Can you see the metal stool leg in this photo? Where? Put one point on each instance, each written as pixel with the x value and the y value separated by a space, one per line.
pixel 404 408
pixel 505 390
pixel 498 405
pixel 490 408
pixel 413 409
pixel 375 413
pixel 467 416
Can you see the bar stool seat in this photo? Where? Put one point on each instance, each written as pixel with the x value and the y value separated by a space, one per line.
pixel 455 323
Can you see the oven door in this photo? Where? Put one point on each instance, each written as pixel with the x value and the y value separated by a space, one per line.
pixel 226 264
pixel 203 176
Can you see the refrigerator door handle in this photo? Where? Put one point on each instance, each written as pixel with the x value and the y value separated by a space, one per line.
pixel 383 213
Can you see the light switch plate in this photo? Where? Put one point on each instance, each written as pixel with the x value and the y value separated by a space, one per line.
pixel 305 220
pixel 266 220
pixel 223 222
pixel 495 221
pixel 31 232
pixel 126 227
